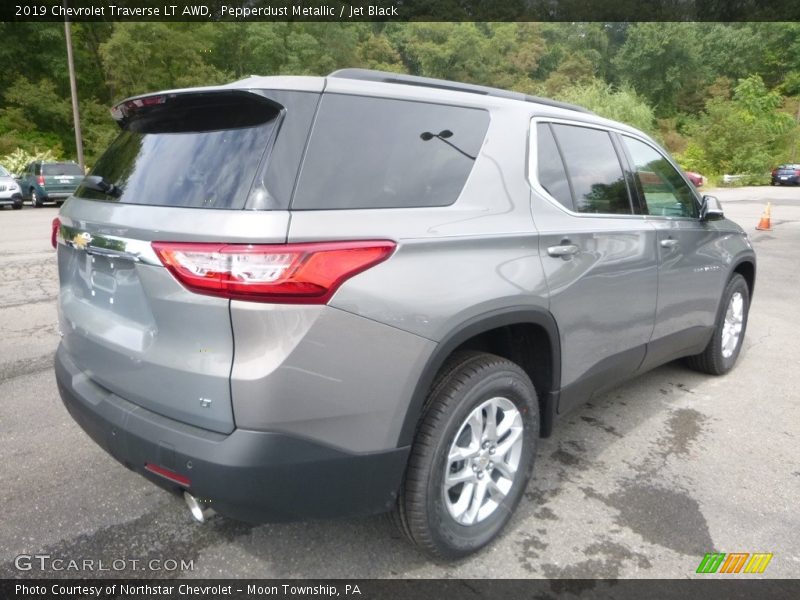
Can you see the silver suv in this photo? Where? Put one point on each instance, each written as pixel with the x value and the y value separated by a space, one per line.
pixel 294 297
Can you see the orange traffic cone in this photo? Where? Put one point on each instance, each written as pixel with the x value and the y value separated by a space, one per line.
pixel 764 224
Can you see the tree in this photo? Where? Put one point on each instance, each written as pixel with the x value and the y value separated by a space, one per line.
pixel 746 134
pixel 662 62
pixel 619 104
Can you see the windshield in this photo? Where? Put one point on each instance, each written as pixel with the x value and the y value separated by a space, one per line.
pixel 4 173
pixel 199 150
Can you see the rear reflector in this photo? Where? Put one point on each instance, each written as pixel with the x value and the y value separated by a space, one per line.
pixel 172 476
pixel 280 273
pixel 56 225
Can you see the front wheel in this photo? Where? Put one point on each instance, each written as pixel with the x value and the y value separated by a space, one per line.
pixel 472 457
pixel 723 349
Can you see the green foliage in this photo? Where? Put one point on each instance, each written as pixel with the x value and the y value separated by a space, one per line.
pixel 17 160
pixel 663 63
pixel 746 134
pixel 621 104
pixel 140 57
pixel 718 93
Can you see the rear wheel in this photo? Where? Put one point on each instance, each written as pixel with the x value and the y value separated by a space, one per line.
pixel 723 349
pixel 36 201
pixel 472 457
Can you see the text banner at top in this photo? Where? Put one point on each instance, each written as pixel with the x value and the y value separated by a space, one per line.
pixel 402 10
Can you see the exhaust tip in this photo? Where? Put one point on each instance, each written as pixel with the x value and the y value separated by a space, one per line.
pixel 200 510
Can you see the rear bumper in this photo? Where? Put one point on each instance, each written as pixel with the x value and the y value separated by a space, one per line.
pixel 247 475
pixel 53 196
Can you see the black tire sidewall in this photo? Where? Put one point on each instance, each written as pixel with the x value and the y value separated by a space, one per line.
pixel 453 538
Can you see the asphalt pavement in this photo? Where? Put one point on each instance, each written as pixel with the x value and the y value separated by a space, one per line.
pixel 642 482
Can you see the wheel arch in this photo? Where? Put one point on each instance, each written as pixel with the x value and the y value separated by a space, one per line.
pixel 504 332
pixel 746 267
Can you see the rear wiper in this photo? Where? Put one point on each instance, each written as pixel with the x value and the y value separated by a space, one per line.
pixel 98 184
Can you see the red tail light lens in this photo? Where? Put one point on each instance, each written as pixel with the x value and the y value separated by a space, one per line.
pixel 54 232
pixel 281 273
pixel 40 180
pixel 797 171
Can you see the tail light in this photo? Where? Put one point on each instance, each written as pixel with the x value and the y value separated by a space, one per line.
pixel 307 273
pixel 40 180
pixel 56 225
pixel 797 171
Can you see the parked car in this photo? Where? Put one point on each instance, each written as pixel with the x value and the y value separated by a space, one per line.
pixel 419 278
pixel 44 181
pixel 696 179
pixel 9 190
pixel 788 174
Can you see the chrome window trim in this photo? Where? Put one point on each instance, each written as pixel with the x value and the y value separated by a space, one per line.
pixel 537 187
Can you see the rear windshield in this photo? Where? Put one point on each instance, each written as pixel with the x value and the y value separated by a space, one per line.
pixel 191 150
pixel 382 153
pixel 61 169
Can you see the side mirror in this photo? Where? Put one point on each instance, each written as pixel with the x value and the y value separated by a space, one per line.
pixel 711 209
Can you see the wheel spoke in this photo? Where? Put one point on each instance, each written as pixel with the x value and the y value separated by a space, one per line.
pixel 490 427
pixel 462 476
pixel 478 495
pixel 460 506
pixel 508 442
pixel 458 453
pixel 505 470
pixel 496 493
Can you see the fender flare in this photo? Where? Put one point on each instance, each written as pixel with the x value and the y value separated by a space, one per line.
pixel 476 325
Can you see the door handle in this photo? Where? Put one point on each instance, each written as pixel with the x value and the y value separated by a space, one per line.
pixel 564 250
pixel 669 243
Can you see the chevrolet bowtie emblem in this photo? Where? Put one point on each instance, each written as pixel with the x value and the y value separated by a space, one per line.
pixel 81 240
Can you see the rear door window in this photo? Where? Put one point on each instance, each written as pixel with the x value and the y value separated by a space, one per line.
pixel 594 170
pixel 199 150
pixel 382 153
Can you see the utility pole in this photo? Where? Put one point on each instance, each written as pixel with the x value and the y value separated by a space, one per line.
pixel 73 86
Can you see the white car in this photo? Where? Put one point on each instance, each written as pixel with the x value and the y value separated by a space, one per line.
pixel 10 193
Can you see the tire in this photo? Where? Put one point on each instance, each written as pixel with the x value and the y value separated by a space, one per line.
pixel 723 349
pixel 442 518
pixel 36 202
pixel 17 205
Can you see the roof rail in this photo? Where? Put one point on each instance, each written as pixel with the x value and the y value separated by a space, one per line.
pixel 443 84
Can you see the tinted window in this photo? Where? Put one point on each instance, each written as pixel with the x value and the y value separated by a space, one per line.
pixel 551 171
pixel 665 191
pixel 194 150
pixel 61 169
pixel 594 170
pixel 378 153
